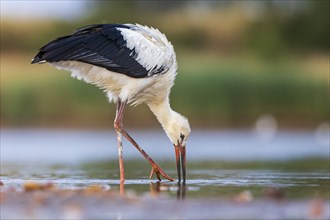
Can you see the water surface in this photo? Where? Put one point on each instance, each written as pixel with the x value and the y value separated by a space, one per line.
pixel 231 175
pixel 70 146
pixel 218 161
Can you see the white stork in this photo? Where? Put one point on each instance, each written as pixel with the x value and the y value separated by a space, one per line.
pixel 133 64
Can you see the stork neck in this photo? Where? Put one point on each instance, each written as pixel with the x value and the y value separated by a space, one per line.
pixel 174 124
pixel 163 111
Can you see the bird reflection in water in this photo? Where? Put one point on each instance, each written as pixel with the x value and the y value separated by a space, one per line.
pixel 157 188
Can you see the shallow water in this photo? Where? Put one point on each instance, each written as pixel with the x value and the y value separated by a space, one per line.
pixel 201 183
pixel 219 162
pixel 231 175
pixel 76 146
pixel 210 193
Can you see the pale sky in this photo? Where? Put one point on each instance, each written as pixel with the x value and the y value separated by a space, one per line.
pixel 27 9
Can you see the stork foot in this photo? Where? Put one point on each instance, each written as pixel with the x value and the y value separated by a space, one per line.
pixel 159 172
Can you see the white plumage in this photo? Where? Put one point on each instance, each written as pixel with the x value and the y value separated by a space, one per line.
pixel 152 47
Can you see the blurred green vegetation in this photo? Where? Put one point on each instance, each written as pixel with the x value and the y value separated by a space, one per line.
pixel 237 61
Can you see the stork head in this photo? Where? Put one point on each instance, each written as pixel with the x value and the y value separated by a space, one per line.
pixel 178 130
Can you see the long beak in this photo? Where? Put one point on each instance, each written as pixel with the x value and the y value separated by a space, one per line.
pixel 180 156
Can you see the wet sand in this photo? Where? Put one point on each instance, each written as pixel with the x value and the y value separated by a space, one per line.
pixel 33 200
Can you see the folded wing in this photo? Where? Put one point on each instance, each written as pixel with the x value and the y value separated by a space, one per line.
pixel 100 45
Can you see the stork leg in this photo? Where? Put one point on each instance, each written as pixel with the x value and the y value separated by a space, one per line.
pixel 121 131
pixel 118 123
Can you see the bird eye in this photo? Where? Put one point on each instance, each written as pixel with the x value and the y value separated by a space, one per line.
pixel 182 136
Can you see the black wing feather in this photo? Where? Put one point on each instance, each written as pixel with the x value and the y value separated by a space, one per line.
pixel 100 45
